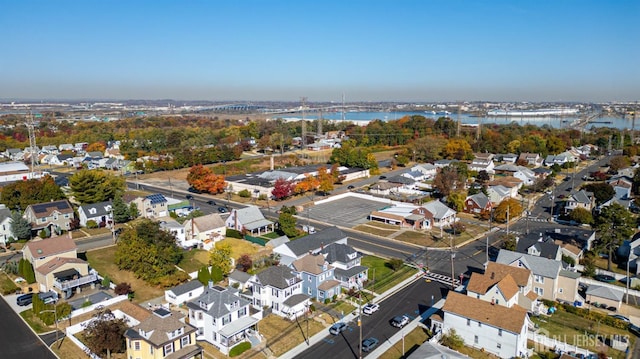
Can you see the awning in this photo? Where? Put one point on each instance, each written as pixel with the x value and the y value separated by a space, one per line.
pixel 237 326
pixel 66 274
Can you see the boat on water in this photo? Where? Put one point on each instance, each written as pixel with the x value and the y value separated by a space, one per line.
pixel 438 113
pixel 534 113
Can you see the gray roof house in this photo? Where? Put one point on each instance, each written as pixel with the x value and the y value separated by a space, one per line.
pixel 183 292
pixel 539 246
pixel 313 243
pixel 580 199
pixel 347 263
pixel 99 212
pixel 604 295
pixel 280 289
pixel 250 219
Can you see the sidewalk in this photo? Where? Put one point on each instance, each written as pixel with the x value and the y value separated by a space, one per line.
pixel 293 353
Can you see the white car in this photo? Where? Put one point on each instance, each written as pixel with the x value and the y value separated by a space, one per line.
pixel 400 321
pixel 370 308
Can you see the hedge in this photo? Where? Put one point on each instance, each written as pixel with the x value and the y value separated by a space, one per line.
pixel 234 234
pixel 239 349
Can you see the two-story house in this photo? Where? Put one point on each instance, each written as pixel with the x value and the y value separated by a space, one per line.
pixel 550 280
pixel 205 230
pixel 98 212
pixel 5 225
pixel 496 329
pixel 482 162
pixel 428 170
pixel 152 206
pixel 249 219
pixel 505 285
pixel 221 317
pixel 162 335
pixel 56 264
pixel 312 243
pixel 579 199
pixel 530 159
pixel 280 289
pixel 346 262
pixel 317 276
pixel 174 227
pixel 184 292
pixel 56 216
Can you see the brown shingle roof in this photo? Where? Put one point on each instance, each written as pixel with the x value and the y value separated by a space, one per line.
pixel 311 264
pixel 509 319
pixel 508 287
pixel 51 246
pixel 496 273
pixel 160 327
pixel 209 222
pixel 520 275
pixel 56 263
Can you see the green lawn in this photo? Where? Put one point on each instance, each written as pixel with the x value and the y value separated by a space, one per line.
pixel 7 286
pixel 385 277
pixel 35 323
pixel 412 340
pixel 272 235
pixel 343 307
pixel 193 260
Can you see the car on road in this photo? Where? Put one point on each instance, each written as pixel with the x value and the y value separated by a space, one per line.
pixel 383 177
pixel 24 299
pixel 337 328
pixel 370 308
pixel 400 321
pixel 193 190
pixel 350 187
pixel 212 203
pixel 189 197
pixel 604 278
pixel 621 317
pixel 368 344
pixel 222 210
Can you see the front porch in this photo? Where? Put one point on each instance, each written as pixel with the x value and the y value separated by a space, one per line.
pixel 240 330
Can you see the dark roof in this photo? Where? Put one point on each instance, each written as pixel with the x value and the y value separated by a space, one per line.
pixel 544 245
pixel 218 300
pixel 337 252
pixel 401 180
pixel 186 287
pixel 156 198
pixel 46 208
pixel 67 273
pixel 102 209
pixel 239 276
pixel 314 241
pixel 295 299
pixel 350 272
pixel 276 276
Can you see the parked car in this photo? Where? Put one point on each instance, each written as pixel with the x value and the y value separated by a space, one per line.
pixel 337 328
pixel 24 299
pixel 350 187
pixel 604 278
pixel 400 321
pixel 621 317
pixel 370 308
pixel 222 210
pixel 212 203
pixel 368 344
pixel 189 197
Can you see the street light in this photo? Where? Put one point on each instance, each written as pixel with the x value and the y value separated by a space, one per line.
pixel 55 318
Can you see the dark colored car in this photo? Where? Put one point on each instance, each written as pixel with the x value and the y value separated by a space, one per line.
pixel 193 190
pixel 189 197
pixel 25 299
pixel 350 187
pixel 337 328
pixel 604 278
pixel 383 177
pixel 222 210
pixel 368 344
pixel 210 202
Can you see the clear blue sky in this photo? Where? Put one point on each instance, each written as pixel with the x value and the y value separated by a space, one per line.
pixel 422 50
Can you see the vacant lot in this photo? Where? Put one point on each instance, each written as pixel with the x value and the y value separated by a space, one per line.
pixel 193 260
pixel 381 276
pixel 282 335
pixel 102 261
pixel 240 247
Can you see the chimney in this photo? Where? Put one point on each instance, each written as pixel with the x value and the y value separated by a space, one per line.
pixel 271 162
pixel 493 275
pixel 210 284
pixel 321 246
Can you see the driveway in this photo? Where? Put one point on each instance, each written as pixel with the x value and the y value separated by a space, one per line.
pixel 11 302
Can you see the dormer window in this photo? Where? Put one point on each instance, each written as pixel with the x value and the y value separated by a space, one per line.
pixel 93 211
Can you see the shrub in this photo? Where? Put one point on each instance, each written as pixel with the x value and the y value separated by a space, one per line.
pixel 239 349
pixel 244 193
pixel 395 263
pixel 327 301
pixel 106 281
pixel 234 234
pixel 86 304
pixel 123 288
pixel 335 296
pixel 92 224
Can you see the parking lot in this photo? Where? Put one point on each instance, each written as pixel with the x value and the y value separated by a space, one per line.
pixel 345 212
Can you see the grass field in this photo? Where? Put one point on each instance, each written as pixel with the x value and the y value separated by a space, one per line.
pixel 431 239
pixel 34 322
pixel 102 261
pixel 282 335
pixel 7 285
pixel 193 260
pixel 412 340
pixel 240 247
pixel 385 278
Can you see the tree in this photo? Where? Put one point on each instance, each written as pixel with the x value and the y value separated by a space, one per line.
pixel 93 186
pixel 589 263
pixel 458 149
pixel 245 262
pixel 447 180
pixel 121 213
pixel 149 252
pixel 221 257
pixel 509 242
pixel 20 227
pixel 203 179
pixel 105 333
pixel 282 189
pixel 325 179
pixel 395 263
pixel 21 194
pixel 26 271
pixel 133 210
pixel 619 162
pixel 204 275
pixel 452 340
pixel 455 201
pixel 581 215
pixel 122 288
pixel 309 183
pixel 601 191
pixel 614 224
pixel 510 207
pixel 287 224
pixel 483 177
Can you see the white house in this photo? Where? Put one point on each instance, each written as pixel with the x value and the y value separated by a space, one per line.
pixel 98 212
pixel 482 162
pixel 428 170
pixel 172 226
pixel 313 243
pixel 499 330
pixel 205 230
pixel 184 292
pixel 249 219
pixel 5 225
pixel 280 289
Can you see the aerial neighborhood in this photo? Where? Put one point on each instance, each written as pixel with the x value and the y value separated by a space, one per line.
pixel 198 237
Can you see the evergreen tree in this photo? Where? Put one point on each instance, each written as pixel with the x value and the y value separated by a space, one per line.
pixel 93 186
pixel 133 211
pixel 20 227
pixel 121 213
pixel 204 276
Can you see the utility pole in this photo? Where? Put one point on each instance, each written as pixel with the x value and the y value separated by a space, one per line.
pixel 32 141
pixel 508 206
pixel 489 235
pixel 453 255
pixel 458 127
pixel 360 321
pixel 304 123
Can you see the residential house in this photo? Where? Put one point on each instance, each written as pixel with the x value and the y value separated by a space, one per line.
pixel 415 176
pixel 176 229
pixel 482 162
pixel 573 241
pixel 222 317
pixel 598 295
pixel 56 264
pixel 61 160
pixel 530 159
pixel 100 213
pixel 403 183
pixel 162 335
pixel 504 285
pixel 239 279
pixel 550 280
pixel 524 174
pixel 622 187
pixel 384 188
pixel 312 243
pixel 560 159
pixel 496 329
pixel 539 246
pixel 14 154
pixel 280 289
pixel 65 147
pixel 443 163
pixel 184 292
pixel 317 277
pixel 427 169
pixel 579 199
pixel 50 149
pixel 477 203
pixel 54 216
pixel 541 172
pixel 5 225
pixel 506 158
pixel 251 220
pixel 429 350
pixel 427 216
pixel 347 264
pixel 205 230
pixel 152 206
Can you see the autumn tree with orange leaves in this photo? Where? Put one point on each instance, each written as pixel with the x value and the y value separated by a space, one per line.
pixel 203 179
pixel 309 183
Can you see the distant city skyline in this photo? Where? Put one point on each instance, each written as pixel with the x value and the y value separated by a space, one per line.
pixel 410 51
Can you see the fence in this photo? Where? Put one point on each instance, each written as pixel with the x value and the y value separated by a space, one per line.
pixel 77 328
pixel 104 303
pixel 255 240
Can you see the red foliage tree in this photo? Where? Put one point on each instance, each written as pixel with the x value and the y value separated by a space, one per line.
pixel 282 189
pixel 245 262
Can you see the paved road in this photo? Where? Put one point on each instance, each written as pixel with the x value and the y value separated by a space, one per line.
pixel 411 301
pixel 17 341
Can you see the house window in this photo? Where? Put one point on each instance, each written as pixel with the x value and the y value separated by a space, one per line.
pixel 479 324
pixel 475 339
pixel 150 350
pixel 538 278
pixel 500 332
pixel 560 290
pixel 186 340
pixel 499 345
pixel 469 322
pixel 538 291
pixel 136 345
pixel 199 315
pixel 168 349
pixel 321 294
pixel 242 312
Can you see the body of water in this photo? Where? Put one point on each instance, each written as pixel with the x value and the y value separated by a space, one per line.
pixel 555 122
